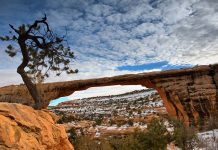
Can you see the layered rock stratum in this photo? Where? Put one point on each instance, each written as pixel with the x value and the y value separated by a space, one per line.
pixel 190 94
pixel 23 128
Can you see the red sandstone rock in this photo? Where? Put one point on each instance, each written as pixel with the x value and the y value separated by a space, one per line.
pixel 189 94
pixel 23 128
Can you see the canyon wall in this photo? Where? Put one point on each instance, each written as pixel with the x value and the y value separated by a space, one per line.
pixel 189 94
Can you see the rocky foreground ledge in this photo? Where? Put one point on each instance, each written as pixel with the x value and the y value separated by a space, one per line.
pixel 23 128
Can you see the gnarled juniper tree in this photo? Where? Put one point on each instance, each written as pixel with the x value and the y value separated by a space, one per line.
pixel 42 52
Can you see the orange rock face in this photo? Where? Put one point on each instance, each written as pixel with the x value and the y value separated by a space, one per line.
pixel 189 94
pixel 23 128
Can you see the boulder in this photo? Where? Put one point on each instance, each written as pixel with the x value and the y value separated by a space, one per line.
pixel 23 128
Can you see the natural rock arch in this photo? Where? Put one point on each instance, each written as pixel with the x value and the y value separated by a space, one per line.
pixel 188 94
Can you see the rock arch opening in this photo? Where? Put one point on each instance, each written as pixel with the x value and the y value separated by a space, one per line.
pixel 188 94
pixel 99 91
pixel 120 108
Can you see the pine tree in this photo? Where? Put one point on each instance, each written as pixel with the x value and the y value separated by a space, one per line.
pixel 42 52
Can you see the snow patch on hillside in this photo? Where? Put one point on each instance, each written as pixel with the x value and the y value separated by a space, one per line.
pixel 209 140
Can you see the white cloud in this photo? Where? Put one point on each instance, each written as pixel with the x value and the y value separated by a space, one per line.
pixel 108 34
pixel 104 91
pixel 98 91
pixel 8 77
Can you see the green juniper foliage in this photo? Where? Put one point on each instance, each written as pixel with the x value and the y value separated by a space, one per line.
pixel 183 136
pixel 155 138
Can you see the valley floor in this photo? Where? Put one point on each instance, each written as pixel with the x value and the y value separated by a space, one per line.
pixel 120 116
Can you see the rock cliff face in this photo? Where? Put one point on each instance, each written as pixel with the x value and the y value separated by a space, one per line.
pixel 189 94
pixel 23 128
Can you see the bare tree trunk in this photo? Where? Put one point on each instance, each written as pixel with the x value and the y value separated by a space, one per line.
pixel 32 89
pixel 29 84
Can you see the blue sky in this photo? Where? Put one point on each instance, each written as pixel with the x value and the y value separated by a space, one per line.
pixel 113 37
pixel 162 65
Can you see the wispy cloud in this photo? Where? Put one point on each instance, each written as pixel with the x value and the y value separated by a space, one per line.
pixel 106 35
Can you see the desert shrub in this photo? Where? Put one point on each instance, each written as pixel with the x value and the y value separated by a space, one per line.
pixel 130 122
pixel 184 137
pixel 111 122
pixel 139 111
pixel 120 122
pixel 200 123
pixel 155 138
pixel 125 143
pixel 115 113
pixel 88 143
pixel 66 119
pixel 98 121
pixel 213 122
pixel 72 136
